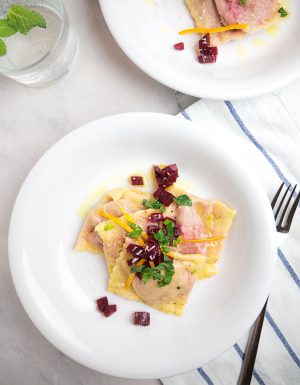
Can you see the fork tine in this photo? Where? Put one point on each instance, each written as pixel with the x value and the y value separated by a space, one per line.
pixel 291 213
pixel 282 200
pixel 286 207
pixel 274 200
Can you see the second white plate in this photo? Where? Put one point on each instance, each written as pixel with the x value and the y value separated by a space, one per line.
pixel 147 29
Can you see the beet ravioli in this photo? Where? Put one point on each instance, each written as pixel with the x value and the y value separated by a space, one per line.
pixel 157 245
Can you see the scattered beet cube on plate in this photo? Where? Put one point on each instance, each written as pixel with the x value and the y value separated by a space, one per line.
pixel 208 55
pixel 141 318
pixel 179 46
pixel 137 180
pixel 111 309
pixel 102 304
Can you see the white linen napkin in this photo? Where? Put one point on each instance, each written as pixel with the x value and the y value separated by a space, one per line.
pixel 268 130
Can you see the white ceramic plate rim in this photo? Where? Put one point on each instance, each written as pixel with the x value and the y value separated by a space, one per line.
pixel 205 92
pixel 28 302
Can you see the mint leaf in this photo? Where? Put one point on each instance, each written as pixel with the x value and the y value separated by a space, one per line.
pixel 24 19
pixel 154 204
pixel 283 12
pixel 161 237
pixel 169 227
pixel 137 230
pixel 183 200
pixel 2 48
pixel 6 30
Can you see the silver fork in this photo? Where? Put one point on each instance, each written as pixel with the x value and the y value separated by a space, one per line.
pixel 283 218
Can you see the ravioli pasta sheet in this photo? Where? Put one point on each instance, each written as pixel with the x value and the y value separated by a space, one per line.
pixel 192 259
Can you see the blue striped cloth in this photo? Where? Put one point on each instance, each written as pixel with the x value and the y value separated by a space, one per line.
pixel 268 129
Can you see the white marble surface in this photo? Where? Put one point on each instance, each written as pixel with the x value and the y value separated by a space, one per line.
pixel 101 81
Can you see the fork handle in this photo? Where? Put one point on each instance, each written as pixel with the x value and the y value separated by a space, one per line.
pixel 251 350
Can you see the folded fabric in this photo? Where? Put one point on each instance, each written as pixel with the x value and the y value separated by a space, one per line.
pixel 267 134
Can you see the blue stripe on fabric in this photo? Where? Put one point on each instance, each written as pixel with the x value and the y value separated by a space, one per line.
pixel 288 267
pixel 242 355
pixel 205 376
pixel 283 339
pixel 255 142
pixel 185 115
pixel 280 254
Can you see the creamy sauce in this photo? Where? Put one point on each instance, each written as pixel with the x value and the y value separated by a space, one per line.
pixel 258 42
pixel 242 51
pixel 273 30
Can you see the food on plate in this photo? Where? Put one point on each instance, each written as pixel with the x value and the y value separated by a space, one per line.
pixel 157 245
pixel 141 318
pixel 256 14
pixel 137 180
pixel 179 46
pixel 226 20
pixel 104 307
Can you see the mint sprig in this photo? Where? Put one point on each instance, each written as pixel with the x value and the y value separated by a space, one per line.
pixel 2 48
pixel 156 273
pixel 19 19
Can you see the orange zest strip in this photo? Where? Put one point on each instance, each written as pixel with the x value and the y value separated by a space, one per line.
pixel 202 240
pixel 213 30
pixel 116 220
pixel 130 219
pixel 132 275
pixel 119 222
pixel 151 263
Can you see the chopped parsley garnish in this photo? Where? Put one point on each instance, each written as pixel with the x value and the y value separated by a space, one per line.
pixel 177 241
pixel 162 273
pixel 165 249
pixel 283 12
pixel 161 237
pixel 137 230
pixel 169 227
pixel 243 2
pixel 154 204
pixel 109 226
pixel 183 200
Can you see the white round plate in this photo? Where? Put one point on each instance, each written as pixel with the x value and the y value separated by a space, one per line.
pixel 58 286
pixel 147 29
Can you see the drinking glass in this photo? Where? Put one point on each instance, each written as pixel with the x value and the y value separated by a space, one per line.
pixel 44 54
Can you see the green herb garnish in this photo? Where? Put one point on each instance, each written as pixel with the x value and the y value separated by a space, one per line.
pixel 177 241
pixel 161 237
pixel 283 12
pixel 154 204
pixel 19 19
pixel 183 200
pixel 169 227
pixel 162 273
pixel 137 230
pixel 243 2
pixel 109 226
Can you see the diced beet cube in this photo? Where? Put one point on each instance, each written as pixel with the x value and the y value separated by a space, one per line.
pixel 111 309
pixel 153 228
pixel 102 304
pixel 166 176
pixel 163 196
pixel 152 241
pixel 135 250
pixel 208 55
pixel 179 46
pixel 205 41
pixel 151 251
pixel 137 180
pixel 176 231
pixel 133 261
pixel 141 318
pixel 156 217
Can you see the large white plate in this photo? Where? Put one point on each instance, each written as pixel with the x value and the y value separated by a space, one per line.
pixel 147 29
pixel 58 286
